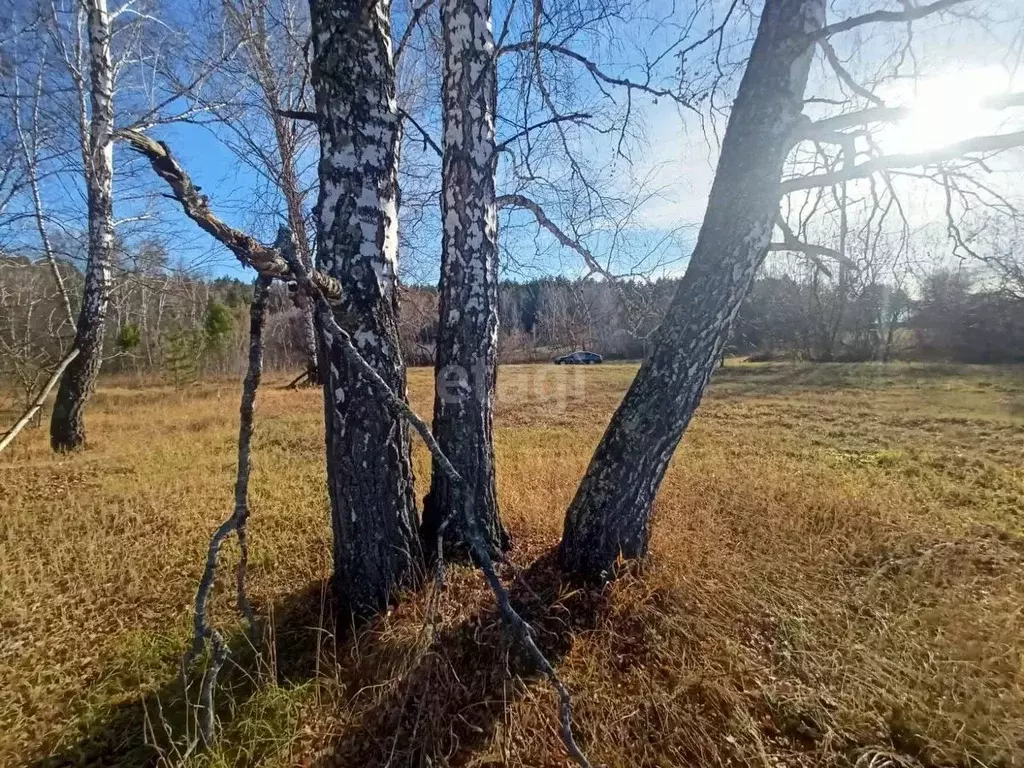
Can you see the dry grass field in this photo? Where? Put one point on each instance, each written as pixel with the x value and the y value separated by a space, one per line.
pixel 837 579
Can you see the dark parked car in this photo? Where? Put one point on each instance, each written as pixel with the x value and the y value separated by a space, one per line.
pixel 579 358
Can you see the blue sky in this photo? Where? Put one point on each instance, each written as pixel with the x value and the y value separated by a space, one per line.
pixel 664 174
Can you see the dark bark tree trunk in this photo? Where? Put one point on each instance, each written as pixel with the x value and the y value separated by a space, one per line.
pixel 67 424
pixel 610 515
pixel 465 370
pixel 369 472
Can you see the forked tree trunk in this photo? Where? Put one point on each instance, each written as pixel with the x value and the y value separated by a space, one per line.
pixel 67 424
pixel 369 473
pixel 610 515
pixel 465 370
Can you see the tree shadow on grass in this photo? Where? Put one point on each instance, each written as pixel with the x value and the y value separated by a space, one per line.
pixel 409 699
pixel 158 726
pixel 453 696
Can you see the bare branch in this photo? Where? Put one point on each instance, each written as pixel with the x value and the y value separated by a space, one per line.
pixel 236 523
pixel 267 261
pixel 911 13
pixel 572 117
pixel 790 242
pixel 833 59
pixel 596 72
pixel 818 128
pixel 40 399
pixel 977 144
pixel 525 203
pixel 414 21
pixel 428 140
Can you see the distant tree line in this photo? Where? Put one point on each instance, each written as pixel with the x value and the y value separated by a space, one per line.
pixel 164 320
pixel 169 322
pixel 800 315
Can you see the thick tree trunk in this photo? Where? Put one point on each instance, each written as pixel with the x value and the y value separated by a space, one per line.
pixel 610 515
pixel 67 424
pixel 465 368
pixel 369 473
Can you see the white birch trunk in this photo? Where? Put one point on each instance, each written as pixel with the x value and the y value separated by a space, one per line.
pixel 370 480
pixel 67 425
pixel 467 340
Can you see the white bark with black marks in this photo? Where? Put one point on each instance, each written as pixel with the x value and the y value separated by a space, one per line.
pixel 611 512
pixel 465 370
pixel 67 424
pixel 369 472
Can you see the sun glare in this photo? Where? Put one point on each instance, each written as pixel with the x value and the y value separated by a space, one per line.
pixel 945 109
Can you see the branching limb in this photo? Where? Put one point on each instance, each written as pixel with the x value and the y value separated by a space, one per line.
pixel 911 13
pixel 977 144
pixel 234 524
pixel 414 22
pixel 525 203
pixel 428 140
pixel 248 250
pixel 844 75
pixel 515 623
pixel 823 128
pixel 572 117
pixel 599 75
pixel 790 242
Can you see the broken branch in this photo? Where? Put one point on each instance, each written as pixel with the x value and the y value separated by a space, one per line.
pixel 236 523
pixel 40 399
pixel 248 250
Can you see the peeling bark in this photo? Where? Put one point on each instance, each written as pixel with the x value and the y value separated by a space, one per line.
pixel 465 370
pixel 67 424
pixel 369 472
pixel 611 512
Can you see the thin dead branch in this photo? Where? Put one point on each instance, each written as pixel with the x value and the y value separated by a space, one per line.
pixel 40 399
pixel 236 523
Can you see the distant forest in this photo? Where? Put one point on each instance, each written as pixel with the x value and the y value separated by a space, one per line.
pixel 181 325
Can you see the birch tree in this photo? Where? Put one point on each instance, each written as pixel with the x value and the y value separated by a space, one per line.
pixel 269 79
pixel 369 472
pixel 466 370
pixel 67 424
pixel 610 514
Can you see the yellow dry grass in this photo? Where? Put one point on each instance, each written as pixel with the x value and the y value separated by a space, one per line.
pixel 836 579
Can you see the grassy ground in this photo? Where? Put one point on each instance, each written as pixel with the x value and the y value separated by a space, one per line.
pixel 836 579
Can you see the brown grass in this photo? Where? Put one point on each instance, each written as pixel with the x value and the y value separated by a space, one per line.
pixel 836 579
